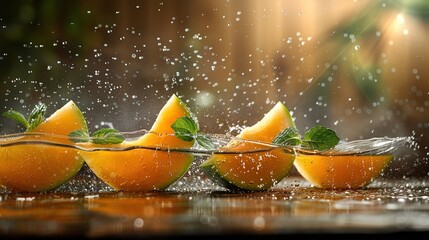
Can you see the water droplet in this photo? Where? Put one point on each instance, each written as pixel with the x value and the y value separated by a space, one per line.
pixel 138 223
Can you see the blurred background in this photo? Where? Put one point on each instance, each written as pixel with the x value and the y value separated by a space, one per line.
pixel 359 67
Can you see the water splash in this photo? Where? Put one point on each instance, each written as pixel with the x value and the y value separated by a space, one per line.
pixel 372 146
pixel 222 143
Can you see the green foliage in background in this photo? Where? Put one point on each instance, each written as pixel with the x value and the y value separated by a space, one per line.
pixel 359 31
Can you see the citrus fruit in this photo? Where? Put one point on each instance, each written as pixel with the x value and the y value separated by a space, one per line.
pixel 150 168
pixel 258 170
pixel 342 171
pixel 39 167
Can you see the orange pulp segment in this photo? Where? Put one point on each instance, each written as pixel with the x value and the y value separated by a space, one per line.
pixel 341 172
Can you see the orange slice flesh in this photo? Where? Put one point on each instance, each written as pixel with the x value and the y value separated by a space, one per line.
pixel 253 171
pixel 36 167
pixel 341 172
pixel 145 169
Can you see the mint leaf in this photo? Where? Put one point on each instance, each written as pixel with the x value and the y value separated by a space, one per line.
pixel 288 137
pixel 37 116
pixel 320 138
pixel 107 136
pixel 183 134
pixel 317 138
pixel 102 136
pixel 17 116
pixel 185 128
pixel 205 142
pixel 79 136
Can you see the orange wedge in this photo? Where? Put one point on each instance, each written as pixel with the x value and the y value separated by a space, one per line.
pixel 38 167
pixel 253 171
pixel 341 172
pixel 145 169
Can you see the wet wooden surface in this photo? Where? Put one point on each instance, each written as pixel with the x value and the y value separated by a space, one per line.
pixel 293 207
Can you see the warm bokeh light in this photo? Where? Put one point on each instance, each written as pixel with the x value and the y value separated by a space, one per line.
pixel 359 67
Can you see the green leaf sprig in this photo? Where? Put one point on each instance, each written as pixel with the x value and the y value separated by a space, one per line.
pixel 101 136
pixel 187 129
pixel 35 118
pixel 316 138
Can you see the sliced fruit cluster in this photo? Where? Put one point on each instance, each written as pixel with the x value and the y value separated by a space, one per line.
pixel 246 163
pixel 43 167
